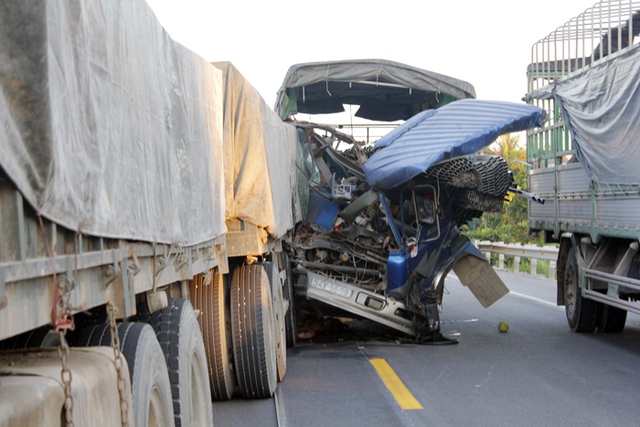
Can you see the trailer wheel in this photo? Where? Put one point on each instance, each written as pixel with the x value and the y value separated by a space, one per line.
pixel 42 337
pixel 253 332
pixel 581 312
pixel 150 387
pixel 179 335
pixel 215 320
pixel 278 318
pixel 612 319
pixel 290 316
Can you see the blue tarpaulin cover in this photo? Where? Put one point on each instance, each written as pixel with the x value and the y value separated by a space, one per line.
pixel 458 129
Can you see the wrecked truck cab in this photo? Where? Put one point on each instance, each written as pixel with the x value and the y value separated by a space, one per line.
pixel 380 232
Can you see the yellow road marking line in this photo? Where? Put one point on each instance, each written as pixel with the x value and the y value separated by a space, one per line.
pixel 399 391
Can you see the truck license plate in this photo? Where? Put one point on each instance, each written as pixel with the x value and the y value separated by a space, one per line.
pixel 331 287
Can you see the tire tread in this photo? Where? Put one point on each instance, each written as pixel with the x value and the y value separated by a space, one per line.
pixel 255 371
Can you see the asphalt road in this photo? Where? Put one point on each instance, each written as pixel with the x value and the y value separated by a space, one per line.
pixel 539 373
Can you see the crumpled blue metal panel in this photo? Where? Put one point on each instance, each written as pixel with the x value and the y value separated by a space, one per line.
pixel 460 128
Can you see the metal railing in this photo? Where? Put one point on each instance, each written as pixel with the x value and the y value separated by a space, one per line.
pixel 366 133
pixel 532 252
pixel 599 32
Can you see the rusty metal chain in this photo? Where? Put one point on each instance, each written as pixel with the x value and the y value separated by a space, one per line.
pixel 66 377
pixel 62 320
pixel 115 344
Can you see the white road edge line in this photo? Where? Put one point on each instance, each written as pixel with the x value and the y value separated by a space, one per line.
pixel 281 417
pixel 538 300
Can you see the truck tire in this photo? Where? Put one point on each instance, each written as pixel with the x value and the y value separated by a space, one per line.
pixel 612 319
pixel 253 332
pixel 42 337
pixel 150 387
pixel 179 335
pixel 278 318
pixel 291 327
pixel 582 313
pixel 215 321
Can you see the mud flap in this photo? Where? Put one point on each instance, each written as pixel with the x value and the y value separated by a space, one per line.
pixel 480 277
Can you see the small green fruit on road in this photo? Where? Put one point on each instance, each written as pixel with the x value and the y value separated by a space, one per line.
pixel 503 326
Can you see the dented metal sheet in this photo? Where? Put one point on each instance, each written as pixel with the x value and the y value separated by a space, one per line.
pixel 483 281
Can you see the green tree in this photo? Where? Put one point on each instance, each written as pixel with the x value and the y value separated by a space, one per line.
pixel 510 225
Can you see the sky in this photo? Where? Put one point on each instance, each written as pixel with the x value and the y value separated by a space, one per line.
pixel 486 43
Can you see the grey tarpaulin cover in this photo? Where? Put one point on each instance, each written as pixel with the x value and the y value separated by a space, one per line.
pixel 260 158
pixel 601 107
pixel 107 125
pixel 385 90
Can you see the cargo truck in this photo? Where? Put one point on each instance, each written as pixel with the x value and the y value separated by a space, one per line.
pixel 584 162
pixel 145 198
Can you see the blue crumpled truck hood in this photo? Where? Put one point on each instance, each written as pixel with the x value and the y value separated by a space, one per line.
pixel 458 129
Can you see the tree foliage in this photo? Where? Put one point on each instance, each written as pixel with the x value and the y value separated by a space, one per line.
pixel 510 225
